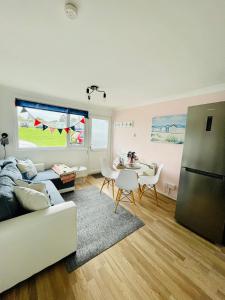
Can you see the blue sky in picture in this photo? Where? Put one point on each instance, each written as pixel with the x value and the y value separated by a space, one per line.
pixel 177 120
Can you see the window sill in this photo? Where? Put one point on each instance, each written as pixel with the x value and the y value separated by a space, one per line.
pixel 70 148
pixel 98 149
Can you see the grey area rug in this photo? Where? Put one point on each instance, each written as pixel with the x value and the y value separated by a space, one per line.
pixel 99 227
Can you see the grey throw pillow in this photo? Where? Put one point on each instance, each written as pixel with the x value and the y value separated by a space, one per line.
pixel 27 168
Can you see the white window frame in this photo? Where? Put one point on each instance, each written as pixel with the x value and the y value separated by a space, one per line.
pixel 68 144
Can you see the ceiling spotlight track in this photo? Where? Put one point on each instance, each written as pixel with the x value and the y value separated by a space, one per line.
pixel 94 88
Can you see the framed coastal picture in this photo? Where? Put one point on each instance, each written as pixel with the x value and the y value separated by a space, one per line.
pixel 169 129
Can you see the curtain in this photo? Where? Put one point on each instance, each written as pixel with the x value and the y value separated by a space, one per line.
pixel 42 106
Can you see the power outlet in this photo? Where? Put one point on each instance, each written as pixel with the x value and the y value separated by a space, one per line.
pixel 170 187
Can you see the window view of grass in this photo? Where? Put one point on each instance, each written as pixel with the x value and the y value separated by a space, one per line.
pixel 31 136
pixel 42 138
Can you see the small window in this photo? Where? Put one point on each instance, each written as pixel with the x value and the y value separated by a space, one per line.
pixel 99 134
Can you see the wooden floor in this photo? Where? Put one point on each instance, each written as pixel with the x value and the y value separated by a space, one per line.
pixel 162 260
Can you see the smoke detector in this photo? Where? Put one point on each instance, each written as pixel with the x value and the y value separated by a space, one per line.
pixel 71 10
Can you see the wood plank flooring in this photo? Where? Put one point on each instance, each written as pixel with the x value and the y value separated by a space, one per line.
pixel 162 260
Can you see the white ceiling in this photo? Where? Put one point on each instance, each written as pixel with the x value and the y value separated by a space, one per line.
pixel 137 50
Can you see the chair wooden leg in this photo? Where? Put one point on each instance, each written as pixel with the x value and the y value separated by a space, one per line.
pixel 118 198
pixel 156 196
pixel 142 191
pixel 132 196
pixel 104 182
pixel 113 181
pixel 139 192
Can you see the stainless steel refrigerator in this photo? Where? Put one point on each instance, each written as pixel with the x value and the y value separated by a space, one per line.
pixel 201 194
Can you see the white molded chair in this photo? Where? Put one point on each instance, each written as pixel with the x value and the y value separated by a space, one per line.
pixel 109 174
pixel 126 182
pixel 149 182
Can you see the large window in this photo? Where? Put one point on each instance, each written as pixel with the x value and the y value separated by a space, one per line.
pixel 52 129
pixel 99 134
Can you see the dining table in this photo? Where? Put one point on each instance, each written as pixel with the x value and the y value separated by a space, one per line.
pixel 139 167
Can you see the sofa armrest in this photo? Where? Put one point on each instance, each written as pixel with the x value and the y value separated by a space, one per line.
pixel 32 242
pixel 40 167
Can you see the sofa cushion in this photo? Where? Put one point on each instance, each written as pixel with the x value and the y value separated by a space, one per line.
pixel 9 160
pixel 54 195
pixel 51 175
pixel 31 199
pixel 45 175
pixel 10 170
pixel 5 180
pixel 27 168
pixel 9 206
pixel 1 163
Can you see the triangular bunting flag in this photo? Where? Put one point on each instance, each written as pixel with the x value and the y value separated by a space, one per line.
pixel 51 129
pixel 44 127
pixel 23 110
pixel 36 122
pixel 79 139
pixel 73 128
pixel 60 130
pixel 67 130
pixel 82 120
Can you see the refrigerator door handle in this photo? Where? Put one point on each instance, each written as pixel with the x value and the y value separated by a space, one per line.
pixel 221 177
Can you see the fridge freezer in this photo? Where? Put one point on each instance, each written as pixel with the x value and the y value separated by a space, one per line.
pixel 201 203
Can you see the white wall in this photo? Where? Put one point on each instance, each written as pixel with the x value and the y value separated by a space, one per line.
pixel 8 123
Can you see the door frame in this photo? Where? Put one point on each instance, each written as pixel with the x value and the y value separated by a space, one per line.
pixel 109 147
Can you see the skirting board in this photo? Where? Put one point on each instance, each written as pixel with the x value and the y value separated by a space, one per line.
pixel 166 196
pixel 163 196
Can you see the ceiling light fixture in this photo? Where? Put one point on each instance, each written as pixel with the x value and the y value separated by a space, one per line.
pixel 94 88
pixel 71 10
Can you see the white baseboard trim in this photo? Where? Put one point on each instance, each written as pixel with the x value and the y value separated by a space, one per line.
pixel 166 195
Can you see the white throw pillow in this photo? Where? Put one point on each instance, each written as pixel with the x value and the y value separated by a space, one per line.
pixel 30 199
pixel 39 186
pixel 27 168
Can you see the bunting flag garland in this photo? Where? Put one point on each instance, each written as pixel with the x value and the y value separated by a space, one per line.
pixel 44 127
pixel 36 122
pixel 79 139
pixel 67 130
pixel 23 110
pixel 52 129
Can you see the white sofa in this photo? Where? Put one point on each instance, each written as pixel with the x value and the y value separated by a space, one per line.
pixel 34 241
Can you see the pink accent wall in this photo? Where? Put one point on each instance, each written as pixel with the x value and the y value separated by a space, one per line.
pixel 138 137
